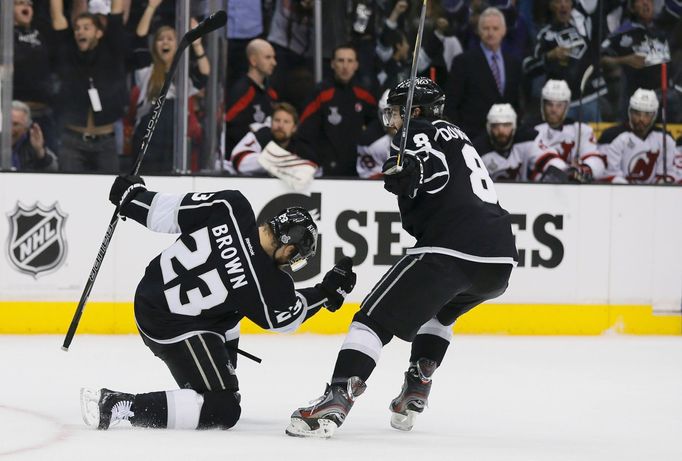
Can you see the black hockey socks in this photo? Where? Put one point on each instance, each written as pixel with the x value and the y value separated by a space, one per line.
pixel 429 347
pixel 151 410
pixel 351 362
pixel 220 410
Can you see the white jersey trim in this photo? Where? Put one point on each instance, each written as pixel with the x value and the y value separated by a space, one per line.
pixel 179 338
pixel 460 255
pixel 362 338
pixel 163 213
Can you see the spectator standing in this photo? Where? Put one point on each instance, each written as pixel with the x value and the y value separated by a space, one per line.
pixel 29 151
pixel 32 77
pixel 483 76
pixel 333 120
pixel 250 99
pixel 564 49
pixel 639 48
pixel 635 150
pixel 149 80
pixel 292 35
pixel 93 92
pixel 397 67
pixel 244 23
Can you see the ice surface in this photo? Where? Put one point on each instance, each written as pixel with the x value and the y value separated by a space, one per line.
pixel 494 398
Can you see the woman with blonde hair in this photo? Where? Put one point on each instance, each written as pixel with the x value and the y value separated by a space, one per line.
pixel 148 83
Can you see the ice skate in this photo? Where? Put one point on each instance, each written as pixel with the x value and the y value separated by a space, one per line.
pixel 327 413
pixel 414 396
pixel 104 408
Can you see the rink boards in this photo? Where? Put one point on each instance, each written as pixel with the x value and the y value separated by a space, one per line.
pixel 593 259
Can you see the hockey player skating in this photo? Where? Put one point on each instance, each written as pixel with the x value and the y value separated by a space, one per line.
pixel 188 305
pixel 635 150
pixel 574 158
pixel 506 150
pixel 464 256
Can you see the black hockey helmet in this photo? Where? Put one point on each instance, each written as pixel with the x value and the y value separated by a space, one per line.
pixel 294 226
pixel 427 95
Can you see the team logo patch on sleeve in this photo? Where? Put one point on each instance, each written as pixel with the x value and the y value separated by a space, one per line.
pixel 36 243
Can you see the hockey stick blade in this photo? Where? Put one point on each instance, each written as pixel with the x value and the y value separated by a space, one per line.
pixel 211 23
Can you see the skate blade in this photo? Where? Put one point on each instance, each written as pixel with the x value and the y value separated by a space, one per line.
pixel 299 428
pixel 403 422
pixel 90 407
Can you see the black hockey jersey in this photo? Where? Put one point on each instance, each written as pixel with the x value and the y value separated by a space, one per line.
pixel 455 211
pixel 215 273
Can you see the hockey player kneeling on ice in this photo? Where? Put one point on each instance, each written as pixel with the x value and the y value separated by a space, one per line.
pixel 568 151
pixel 637 151
pixel 188 305
pixel 464 256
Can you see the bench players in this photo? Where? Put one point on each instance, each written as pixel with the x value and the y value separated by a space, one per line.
pixel 568 149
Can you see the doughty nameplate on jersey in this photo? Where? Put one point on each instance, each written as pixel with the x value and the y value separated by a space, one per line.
pixel 36 243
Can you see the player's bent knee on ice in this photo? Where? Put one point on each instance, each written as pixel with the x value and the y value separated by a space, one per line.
pixel 221 410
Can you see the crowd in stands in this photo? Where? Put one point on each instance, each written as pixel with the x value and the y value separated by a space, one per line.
pixel 526 80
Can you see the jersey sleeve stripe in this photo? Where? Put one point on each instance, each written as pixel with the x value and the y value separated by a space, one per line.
pixel 163 213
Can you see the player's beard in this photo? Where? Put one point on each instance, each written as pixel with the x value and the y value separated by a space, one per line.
pixel 279 136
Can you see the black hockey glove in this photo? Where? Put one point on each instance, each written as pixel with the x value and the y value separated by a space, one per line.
pixel 581 174
pixel 408 180
pixel 125 188
pixel 554 175
pixel 337 283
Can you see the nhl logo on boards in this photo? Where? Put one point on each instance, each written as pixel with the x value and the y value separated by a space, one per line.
pixel 36 243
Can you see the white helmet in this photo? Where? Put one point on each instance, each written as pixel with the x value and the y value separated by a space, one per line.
pixel 501 113
pixel 556 90
pixel 644 101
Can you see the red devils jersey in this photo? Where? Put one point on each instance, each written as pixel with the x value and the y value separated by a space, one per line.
pixel 635 160
pixel 455 211
pixel 215 273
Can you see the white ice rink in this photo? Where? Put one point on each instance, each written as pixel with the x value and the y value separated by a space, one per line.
pixel 495 398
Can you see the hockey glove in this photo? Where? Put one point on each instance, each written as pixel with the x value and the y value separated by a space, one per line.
pixel 408 180
pixel 554 175
pixel 337 283
pixel 581 174
pixel 125 188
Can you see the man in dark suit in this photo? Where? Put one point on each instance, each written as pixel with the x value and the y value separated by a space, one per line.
pixel 483 76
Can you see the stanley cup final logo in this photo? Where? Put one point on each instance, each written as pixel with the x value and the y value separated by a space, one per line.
pixel 36 243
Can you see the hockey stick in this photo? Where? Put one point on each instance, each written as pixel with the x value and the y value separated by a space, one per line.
pixel 664 118
pixel 410 93
pixel 588 72
pixel 216 20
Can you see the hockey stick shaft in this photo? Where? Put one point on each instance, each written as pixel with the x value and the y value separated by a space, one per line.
pixel 211 23
pixel 664 117
pixel 410 92
pixel 583 81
